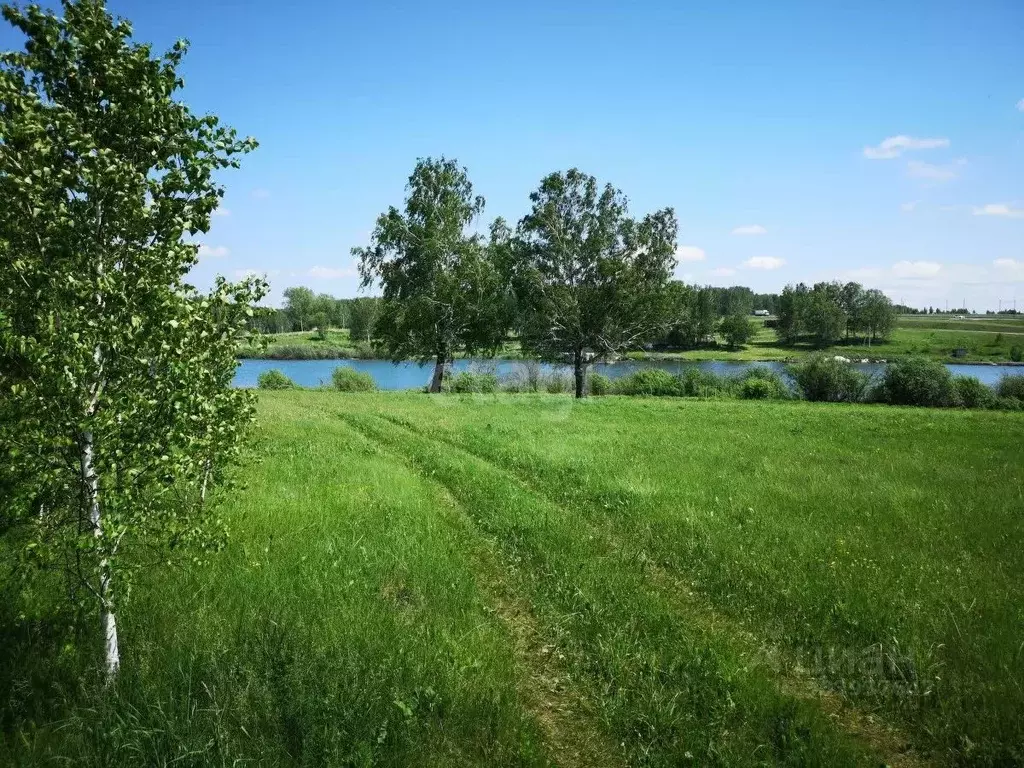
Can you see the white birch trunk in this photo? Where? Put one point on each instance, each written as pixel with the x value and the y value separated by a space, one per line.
pixel 107 616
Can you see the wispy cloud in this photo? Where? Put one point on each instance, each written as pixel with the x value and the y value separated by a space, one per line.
pixel 330 273
pixel 222 212
pixel 260 193
pixel 1020 105
pixel 916 269
pixel 1009 270
pixel 750 229
pixel 690 253
pixel 764 262
pixel 920 170
pixel 723 272
pixel 894 146
pixel 213 251
pixel 908 207
pixel 999 209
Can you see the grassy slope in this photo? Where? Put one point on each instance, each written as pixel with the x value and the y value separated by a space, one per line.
pixel 985 339
pixel 519 580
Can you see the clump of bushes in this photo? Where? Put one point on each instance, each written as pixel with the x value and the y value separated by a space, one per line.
pixel 651 382
pixel 971 393
pixel 274 379
pixel 558 383
pixel 1017 353
pixel 761 384
pixel 347 379
pixel 1011 387
pixel 758 389
pixel 476 382
pixel 697 382
pixel 917 381
pixel 598 384
pixel 822 378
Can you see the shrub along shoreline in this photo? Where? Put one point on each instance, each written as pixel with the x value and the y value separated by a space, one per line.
pixel 912 381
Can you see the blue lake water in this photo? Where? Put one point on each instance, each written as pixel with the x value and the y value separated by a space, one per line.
pixel 313 373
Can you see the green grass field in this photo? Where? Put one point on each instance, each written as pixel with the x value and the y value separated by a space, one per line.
pixel 989 339
pixel 527 580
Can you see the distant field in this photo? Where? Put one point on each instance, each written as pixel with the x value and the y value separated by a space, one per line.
pixel 983 339
pixel 527 580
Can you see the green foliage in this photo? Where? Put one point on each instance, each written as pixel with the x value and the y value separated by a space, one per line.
pixel 761 384
pixel 757 389
pixel 478 382
pixel 829 310
pixel 691 315
pixel 274 379
pixel 347 379
pixel 299 306
pixel 598 385
pixel 440 288
pixel 1011 386
pixel 114 370
pixel 557 382
pixel 649 381
pixel 823 378
pixel 1017 353
pixel 971 393
pixel 697 382
pixel 917 381
pixel 363 318
pixel 737 329
pixel 589 279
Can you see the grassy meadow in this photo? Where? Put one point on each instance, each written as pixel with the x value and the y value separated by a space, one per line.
pixel 529 580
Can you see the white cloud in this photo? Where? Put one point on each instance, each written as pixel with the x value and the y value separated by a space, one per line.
pixel 1020 105
pixel 916 269
pixel 894 146
pixel 261 194
pixel 212 251
pixel 330 273
pixel 690 253
pixel 764 262
pixel 908 207
pixel 750 229
pixel 723 272
pixel 919 170
pixel 999 209
pixel 222 212
pixel 1010 270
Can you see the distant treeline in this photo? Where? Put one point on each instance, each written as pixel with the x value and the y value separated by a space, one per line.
pixel 304 310
pixel 822 314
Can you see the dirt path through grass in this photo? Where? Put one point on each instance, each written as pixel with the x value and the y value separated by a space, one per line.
pixel 891 743
pixel 565 716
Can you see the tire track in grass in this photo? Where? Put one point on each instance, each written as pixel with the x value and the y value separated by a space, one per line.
pixel 893 744
pixel 564 715
pixel 695 697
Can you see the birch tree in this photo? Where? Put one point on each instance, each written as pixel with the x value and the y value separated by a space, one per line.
pixel 590 279
pixel 440 291
pixel 119 421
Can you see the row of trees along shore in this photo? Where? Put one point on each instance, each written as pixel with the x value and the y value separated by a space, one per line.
pixel 578 278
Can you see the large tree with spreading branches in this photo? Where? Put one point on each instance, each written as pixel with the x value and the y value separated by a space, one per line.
pixel 440 290
pixel 590 280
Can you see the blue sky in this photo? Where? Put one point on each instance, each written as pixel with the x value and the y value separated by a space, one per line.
pixel 877 141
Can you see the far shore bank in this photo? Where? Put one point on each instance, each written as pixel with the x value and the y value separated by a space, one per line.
pixel 688 356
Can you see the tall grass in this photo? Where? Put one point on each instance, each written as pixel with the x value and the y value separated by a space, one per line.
pixel 530 580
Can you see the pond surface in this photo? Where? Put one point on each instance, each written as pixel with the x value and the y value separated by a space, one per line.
pixel 313 373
